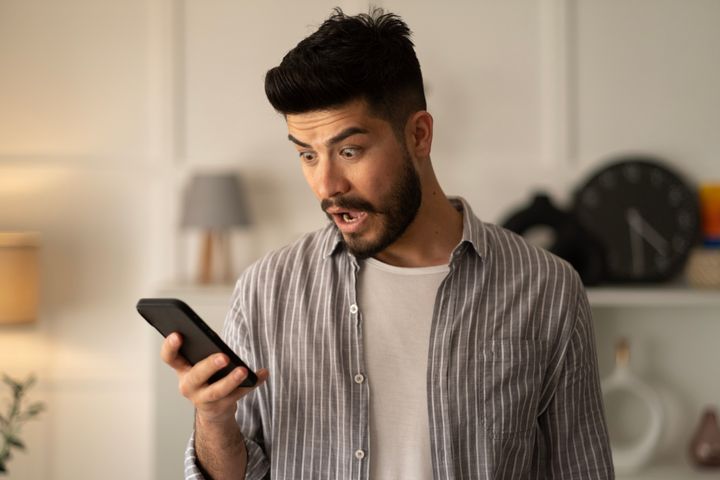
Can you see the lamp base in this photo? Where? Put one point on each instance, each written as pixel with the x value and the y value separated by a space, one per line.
pixel 215 258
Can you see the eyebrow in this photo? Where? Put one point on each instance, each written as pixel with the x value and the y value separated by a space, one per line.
pixel 348 132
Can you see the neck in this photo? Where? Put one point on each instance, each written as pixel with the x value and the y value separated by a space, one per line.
pixel 431 237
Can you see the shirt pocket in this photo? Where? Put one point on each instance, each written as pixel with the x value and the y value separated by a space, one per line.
pixel 512 383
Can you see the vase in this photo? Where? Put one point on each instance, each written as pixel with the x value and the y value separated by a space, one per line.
pixel 705 444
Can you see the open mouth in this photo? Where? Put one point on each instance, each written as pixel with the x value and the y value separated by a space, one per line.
pixel 350 217
pixel 349 220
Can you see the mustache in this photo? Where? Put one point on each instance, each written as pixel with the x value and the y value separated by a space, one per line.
pixel 349 203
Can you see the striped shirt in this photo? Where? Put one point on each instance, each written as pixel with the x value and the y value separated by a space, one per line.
pixel 513 390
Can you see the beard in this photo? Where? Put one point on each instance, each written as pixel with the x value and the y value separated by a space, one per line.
pixel 394 213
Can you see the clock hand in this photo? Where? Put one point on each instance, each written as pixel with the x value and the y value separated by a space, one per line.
pixel 650 234
pixel 636 243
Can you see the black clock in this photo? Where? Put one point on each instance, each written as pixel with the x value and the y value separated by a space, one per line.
pixel 645 216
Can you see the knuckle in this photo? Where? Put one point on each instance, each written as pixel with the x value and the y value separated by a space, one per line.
pixel 183 387
pixel 213 395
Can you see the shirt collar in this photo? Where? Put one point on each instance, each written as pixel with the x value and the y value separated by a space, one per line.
pixel 473 232
pixel 333 240
pixel 473 229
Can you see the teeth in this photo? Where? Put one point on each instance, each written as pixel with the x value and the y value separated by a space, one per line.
pixel 346 217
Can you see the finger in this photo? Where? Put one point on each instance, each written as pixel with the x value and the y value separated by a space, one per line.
pixel 193 382
pixel 206 368
pixel 229 386
pixel 170 353
pixel 262 376
pixel 224 387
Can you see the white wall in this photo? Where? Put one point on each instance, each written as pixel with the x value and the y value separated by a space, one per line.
pixel 106 107
pixel 82 156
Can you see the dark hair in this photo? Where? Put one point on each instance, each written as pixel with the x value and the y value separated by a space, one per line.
pixel 367 56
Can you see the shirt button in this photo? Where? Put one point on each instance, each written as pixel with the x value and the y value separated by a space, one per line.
pixel 359 378
pixel 353 309
pixel 359 454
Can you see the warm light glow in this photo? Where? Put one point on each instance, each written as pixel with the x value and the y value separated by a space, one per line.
pixel 19 277
pixel 27 181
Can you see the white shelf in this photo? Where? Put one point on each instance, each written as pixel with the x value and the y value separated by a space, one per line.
pixel 671 472
pixel 656 296
pixel 212 294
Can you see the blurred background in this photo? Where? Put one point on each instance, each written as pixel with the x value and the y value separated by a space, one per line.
pixel 109 108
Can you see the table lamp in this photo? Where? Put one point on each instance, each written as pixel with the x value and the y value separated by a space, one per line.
pixel 215 203
pixel 19 277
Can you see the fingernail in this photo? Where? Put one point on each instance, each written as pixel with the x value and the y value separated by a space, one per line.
pixel 220 361
pixel 240 373
pixel 174 339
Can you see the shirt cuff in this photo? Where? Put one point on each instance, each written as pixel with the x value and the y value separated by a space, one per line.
pixel 192 472
pixel 257 467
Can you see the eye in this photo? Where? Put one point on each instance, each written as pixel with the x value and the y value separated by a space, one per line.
pixel 307 157
pixel 349 152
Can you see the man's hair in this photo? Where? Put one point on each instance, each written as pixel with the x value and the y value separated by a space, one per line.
pixel 367 56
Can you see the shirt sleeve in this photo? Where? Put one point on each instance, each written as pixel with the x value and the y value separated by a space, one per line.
pixel 191 468
pixel 257 467
pixel 573 426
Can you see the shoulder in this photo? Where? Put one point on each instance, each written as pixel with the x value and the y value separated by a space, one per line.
pixel 510 252
pixel 283 279
pixel 305 254
pixel 509 257
pixel 541 291
pixel 524 273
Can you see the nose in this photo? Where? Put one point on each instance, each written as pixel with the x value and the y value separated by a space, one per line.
pixel 329 179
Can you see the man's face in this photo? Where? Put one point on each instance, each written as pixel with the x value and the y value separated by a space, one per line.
pixel 362 174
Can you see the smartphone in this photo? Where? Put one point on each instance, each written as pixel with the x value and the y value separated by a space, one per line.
pixel 170 315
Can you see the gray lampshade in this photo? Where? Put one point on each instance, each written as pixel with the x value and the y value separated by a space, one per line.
pixel 215 201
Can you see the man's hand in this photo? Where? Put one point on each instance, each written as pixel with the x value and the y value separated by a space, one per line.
pixel 214 403
pixel 219 445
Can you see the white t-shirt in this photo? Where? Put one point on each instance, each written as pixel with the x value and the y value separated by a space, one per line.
pixel 397 307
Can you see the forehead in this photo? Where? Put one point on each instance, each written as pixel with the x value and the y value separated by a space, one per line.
pixel 318 125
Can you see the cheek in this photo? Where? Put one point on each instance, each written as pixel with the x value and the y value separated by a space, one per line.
pixel 366 183
pixel 379 182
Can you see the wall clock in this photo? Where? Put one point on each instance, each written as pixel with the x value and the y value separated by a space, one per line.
pixel 645 216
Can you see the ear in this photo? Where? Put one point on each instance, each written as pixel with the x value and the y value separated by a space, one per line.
pixel 419 133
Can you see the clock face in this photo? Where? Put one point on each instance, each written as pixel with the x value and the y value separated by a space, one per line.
pixel 644 215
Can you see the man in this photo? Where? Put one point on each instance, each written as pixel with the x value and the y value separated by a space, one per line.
pixel 407 339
